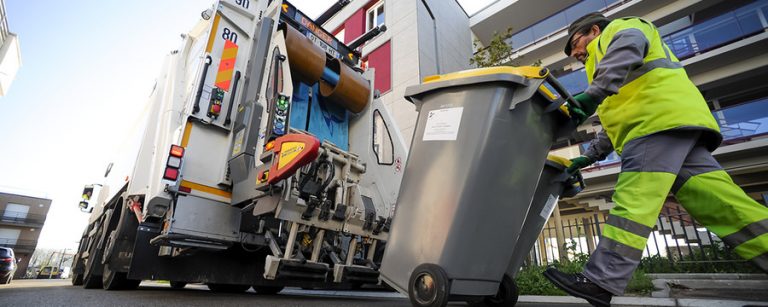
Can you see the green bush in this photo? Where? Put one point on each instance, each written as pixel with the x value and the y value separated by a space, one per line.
pixel 640 284
pixel 531 280
pixel 710 259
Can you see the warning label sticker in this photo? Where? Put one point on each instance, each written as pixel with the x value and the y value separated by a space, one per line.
pixel 443 124
pixel 549 206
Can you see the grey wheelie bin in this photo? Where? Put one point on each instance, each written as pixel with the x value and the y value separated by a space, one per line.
pixel 478 150
pixel 554 183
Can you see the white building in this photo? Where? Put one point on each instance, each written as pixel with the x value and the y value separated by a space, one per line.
pixel 10 53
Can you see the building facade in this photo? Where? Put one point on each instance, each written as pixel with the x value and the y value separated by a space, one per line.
pixel 10 53
pixel 21 220
pixel 722 46
pixel 423 38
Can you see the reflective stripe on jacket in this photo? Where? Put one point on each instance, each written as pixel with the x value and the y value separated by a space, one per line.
pixel 642 85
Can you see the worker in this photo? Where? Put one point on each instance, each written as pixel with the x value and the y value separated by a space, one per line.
pixel 659 123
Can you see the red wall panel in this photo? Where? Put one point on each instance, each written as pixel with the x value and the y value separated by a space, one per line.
pixel 354 26
pixel 381 60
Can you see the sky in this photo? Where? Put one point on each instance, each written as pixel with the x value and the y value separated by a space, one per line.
pixel 88 68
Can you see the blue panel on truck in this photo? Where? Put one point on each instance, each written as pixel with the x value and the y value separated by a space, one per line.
pixel 327 121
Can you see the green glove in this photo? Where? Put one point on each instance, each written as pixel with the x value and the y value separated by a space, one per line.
pixel 579 163
pixel 588 107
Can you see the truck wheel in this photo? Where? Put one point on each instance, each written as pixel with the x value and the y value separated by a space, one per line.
pixel 268 290
pixel 91 281
pixel 178 284
pixel 77 279
pixel 224 288
pixel 118 280
pixel 429 286
pixel 505 297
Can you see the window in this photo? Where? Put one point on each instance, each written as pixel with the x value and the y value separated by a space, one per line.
pixel 382 141
pixel 374 16
pixel 15 212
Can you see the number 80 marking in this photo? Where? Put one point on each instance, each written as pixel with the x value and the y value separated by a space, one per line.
pixel 229 35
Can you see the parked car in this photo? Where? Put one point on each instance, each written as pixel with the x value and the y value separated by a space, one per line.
pixel 49 272
pixel 7 265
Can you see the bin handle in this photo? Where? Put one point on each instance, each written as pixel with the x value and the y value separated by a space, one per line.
pixel 560 89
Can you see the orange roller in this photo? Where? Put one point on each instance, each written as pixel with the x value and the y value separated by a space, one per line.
pixel 352 91
pixel 307 60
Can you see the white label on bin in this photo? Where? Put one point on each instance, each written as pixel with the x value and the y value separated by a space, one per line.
pixel 443 124
pixel 549 207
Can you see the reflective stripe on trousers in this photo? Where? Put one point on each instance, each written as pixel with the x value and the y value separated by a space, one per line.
pixel 654 165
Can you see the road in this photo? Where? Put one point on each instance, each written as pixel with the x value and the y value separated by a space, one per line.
pixel 61 293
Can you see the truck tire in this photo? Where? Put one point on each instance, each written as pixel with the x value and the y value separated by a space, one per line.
pixel 91 281
pixel 117 280
pixel 224 288
pixel 77 279
pixel 268 290
pixel 178 284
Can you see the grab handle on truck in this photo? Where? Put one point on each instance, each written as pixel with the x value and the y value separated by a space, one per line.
pixel 208 61
pixel 232 95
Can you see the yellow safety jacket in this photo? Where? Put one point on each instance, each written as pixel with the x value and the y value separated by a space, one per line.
pixel 654 97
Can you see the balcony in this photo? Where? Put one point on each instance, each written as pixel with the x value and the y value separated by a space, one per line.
pixel 557 22
pixel 14 218
pixel 718 31
pixel 19 246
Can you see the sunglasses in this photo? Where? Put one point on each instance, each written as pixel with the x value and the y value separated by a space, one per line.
pixel 576 40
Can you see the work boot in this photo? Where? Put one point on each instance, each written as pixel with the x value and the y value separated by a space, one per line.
pixel 579 286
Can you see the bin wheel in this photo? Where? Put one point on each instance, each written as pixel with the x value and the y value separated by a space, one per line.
pixel 506 296
pixel 429 286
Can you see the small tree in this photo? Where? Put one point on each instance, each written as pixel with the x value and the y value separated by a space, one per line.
pixel 497 53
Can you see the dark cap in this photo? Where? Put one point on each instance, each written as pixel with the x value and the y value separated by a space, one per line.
pixel 580 24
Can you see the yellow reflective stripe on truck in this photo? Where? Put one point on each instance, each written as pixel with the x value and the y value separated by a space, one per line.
pixel 212 35
pixel 205 189
pixel 185 136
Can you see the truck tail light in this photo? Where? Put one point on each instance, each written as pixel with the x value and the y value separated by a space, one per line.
pixel 177 151
pixel 172 166
pixel 9 260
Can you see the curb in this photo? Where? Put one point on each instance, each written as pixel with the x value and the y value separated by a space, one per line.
pixel 641 301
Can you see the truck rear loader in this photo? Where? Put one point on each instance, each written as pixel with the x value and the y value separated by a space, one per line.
pixel 265 160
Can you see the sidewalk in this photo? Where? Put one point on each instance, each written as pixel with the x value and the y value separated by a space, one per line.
pixel 641 301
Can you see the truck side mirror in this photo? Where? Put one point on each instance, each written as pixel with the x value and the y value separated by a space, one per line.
pixel 87 193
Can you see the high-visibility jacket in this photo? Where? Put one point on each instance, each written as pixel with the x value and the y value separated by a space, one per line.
pixel 653 95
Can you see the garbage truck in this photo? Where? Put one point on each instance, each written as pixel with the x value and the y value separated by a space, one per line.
pixel 266 160
pixel 263 159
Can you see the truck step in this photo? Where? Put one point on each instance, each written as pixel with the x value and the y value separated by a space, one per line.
pixel 355 274
pixel 277 268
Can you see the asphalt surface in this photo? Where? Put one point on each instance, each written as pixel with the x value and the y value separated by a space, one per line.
pixel 62 293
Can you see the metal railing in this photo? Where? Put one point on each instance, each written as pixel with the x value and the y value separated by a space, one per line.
pixel 678 243
pixel 16 217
